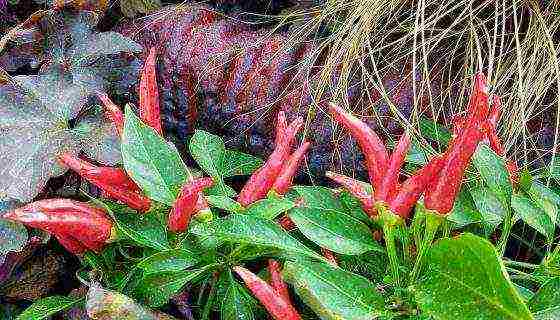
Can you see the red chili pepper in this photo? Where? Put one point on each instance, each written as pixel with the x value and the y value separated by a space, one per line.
pixel 149 95
pixel 441 194
pixel 113 181
pixel 276 305
pixel 79 225
pixel 357 189
pixel 113 112
pixel 284 180
pixel 281 126
pixel 71 244
pixel 263 179
pixel 412 188
pixel 388 186
pixel 329 255
pixel 478 103
pixel 495 110
pixel 185 205
pixel 374 151
pixel 276 280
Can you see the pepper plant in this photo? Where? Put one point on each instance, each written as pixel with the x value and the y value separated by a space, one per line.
pixel 390 249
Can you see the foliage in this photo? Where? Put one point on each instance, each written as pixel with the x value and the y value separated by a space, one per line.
pixel 332 256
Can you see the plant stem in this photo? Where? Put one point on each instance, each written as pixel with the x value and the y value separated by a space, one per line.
pixel 505 232
pixel 520 264
pixel 433 221
pixel 390 222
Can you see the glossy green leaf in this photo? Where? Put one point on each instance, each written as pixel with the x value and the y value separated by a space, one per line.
pixel 494 172
pixel 241 228
pixel 144 229
pixel 154 164
pixel 546 199
pixel 490 208
pixel 323 220
pixel 465 279
pixel 434 131
pixel 334 293
pixel 533 215
pixel 240 164
pixel 169 260
pixel 464 211
pixel 555 168
pixel 46 307
pixel 237 303
pixel 225 203
pixel 209 152
pixel 547 298
pixel 270 208
pixel 156 289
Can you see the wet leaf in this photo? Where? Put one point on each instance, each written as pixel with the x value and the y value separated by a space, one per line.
pixel 169 260
pixel 533 215
pixel 46 307
pixel 323 220
pixel 144 229
pixel 156 289
pixel 465 279
pixel 334 293
pixel 241 228
pixel 153 164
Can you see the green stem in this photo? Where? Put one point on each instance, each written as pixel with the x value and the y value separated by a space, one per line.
pixel 520 264
pixel 433 221
pixel 389 233
pixel 505 232
pixel 390 221
pixel 211 295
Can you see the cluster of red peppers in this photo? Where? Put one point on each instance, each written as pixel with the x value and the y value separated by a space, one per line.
pixel 274 296
pixel 441 178
pixel 80 226
pixel 281 166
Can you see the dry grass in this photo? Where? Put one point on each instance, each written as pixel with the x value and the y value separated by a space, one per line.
pixel 442 44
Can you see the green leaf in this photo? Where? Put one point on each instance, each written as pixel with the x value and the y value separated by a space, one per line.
pixel 208 151
pixel 546 199
pixel 533 215
pixel 237 303
pixel 155 289
pixel 334 293
pixel 323 220
pixel 240 164
pixel 493 170
pixel 241 228
pixel 555 168
pixel 154 164
pixel 144 229
pixel 169 260
pixel 270 208
pixel 434 131
pixel 46 307
pixel 225 203
pixel 465 279
pixel 464 211
pixel 490 208
pixel 547 298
